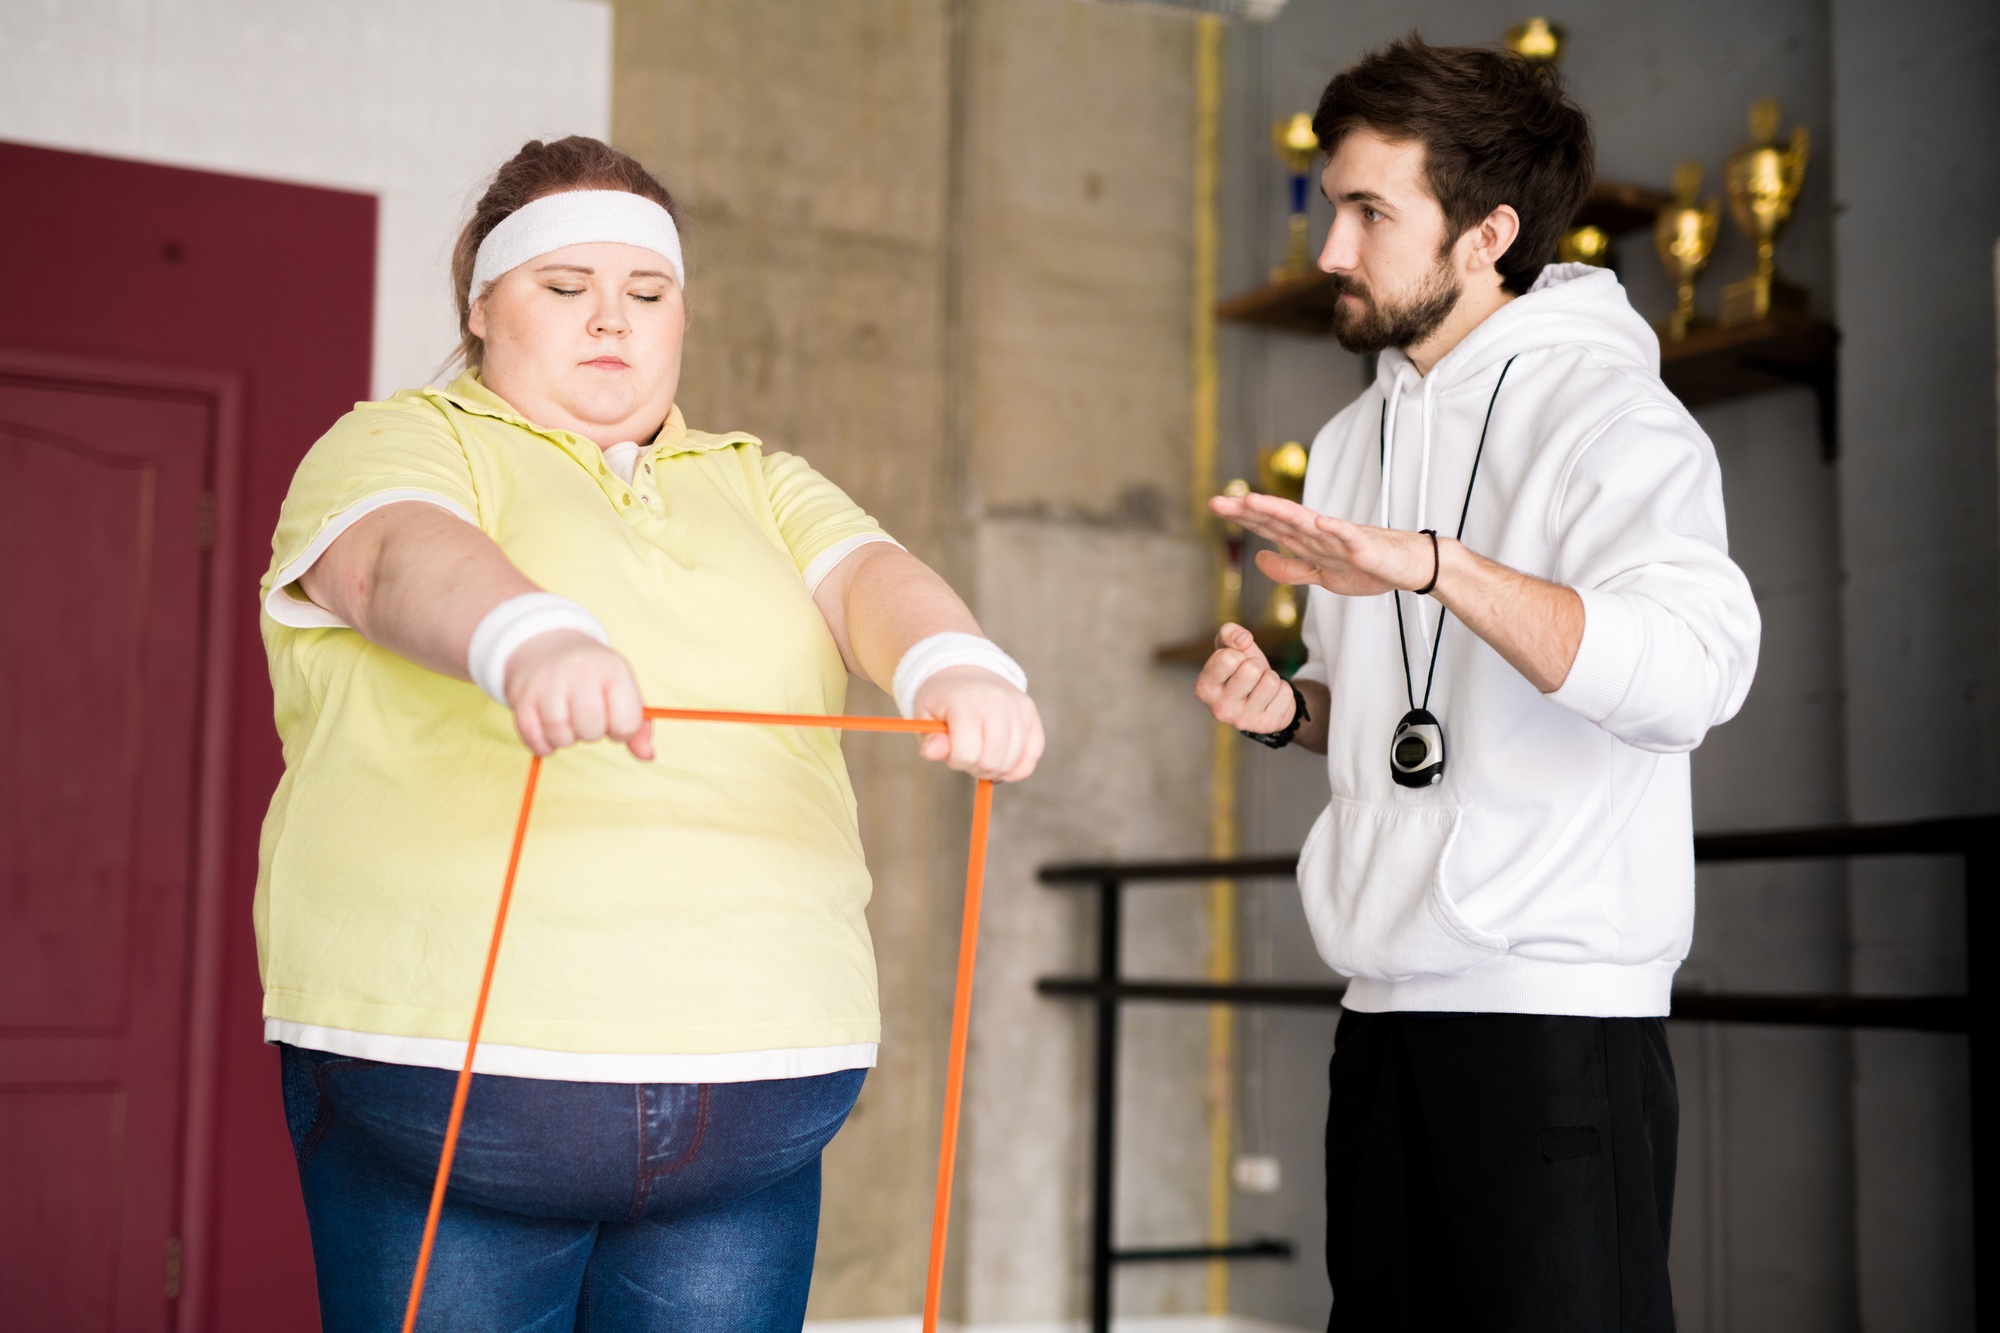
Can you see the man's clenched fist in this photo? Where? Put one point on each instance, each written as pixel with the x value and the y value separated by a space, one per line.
pixel 1240 687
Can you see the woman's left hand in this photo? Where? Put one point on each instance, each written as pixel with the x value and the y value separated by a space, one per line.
pixel 995 731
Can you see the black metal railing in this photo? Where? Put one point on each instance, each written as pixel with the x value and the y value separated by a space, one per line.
pixel 1975 840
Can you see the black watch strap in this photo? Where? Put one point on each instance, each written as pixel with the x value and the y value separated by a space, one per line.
pixel 1278 740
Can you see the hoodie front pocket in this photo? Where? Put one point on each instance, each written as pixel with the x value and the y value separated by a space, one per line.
pixel 1372 880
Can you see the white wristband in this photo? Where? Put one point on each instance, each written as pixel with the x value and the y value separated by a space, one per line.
pixel 514 622
pixel 927 657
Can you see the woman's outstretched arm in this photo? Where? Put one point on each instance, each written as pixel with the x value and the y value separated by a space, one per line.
pixel 880 602
pixel 417 580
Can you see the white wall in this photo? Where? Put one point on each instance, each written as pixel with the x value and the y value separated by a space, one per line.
pixel 414 101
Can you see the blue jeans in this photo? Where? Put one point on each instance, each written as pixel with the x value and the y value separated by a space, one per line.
pixel 573 1206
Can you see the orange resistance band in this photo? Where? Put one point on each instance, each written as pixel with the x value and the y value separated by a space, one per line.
pixel 968 945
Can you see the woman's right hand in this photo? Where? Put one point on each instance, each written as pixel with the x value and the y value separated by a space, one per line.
pixel 1240 687
pixel 566 688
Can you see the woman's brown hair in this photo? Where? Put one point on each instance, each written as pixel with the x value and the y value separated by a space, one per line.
pixel 575 163
pixel 1496 129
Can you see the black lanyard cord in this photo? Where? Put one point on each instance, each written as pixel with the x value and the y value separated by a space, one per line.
pixel 1382 447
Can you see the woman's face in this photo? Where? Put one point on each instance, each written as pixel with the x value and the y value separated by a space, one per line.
pixel 586 339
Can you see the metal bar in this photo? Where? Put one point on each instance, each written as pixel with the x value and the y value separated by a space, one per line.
pixel 1982 878
pixel 1085 873
pixel 1105 1101
pixel 1311 996
pixel 1264 1247
pixel 1928 837
pixel 1918 1013
pixel 1923 1013
pixel 1976 838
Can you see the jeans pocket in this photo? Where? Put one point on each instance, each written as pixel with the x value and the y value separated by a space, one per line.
pixel 302 1098
pixel 309 1111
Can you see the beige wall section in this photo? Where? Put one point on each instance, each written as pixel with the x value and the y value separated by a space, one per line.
pixel 1076 171
pixel 1079 236
pixel 1082 606
pixel 940 248
pixel 807 145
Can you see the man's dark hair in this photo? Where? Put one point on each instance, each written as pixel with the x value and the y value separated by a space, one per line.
pixel 1496 129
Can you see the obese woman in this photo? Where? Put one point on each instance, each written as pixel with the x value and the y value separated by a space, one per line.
pixel 685 1005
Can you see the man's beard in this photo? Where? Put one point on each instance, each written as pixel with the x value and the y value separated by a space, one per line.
pixel 1366 325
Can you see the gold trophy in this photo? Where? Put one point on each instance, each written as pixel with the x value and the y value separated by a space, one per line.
pixel 1684 234
pixel 1585 245
pixel 1282 472
pixel 1297 145
pixel 1763 181
pixel 1538 40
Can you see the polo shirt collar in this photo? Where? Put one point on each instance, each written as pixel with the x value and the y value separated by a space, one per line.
pixel 469 394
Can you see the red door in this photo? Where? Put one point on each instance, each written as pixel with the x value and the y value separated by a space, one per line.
pixel 178 334
pixel 102 489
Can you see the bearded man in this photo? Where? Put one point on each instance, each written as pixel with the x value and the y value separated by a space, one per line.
pixel 1521 618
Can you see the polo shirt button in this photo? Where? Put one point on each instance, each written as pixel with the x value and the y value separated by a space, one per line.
pixel 626 499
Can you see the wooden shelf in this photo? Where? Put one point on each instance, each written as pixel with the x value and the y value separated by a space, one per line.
pixel 1620 206
pixel 1304 303
pixel 1711 365
pixel 1707 366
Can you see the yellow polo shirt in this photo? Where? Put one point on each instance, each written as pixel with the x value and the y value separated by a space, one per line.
pixel 710 901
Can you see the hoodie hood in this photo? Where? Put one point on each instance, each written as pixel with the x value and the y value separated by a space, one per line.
pixel 1569 305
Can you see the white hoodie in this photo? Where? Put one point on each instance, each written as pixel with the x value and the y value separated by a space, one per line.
pixel 1551 871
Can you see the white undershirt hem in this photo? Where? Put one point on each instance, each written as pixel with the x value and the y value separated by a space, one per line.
pixel 575 1066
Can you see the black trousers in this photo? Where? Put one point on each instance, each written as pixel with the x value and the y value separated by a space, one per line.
pixel 1500 1173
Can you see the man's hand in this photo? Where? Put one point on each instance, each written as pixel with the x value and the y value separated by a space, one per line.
pixel 1348 558
pixel 567 688
pixel 1534 624
pixel 1242 690
pixel 1240 687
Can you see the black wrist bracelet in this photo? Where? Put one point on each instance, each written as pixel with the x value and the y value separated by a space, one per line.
pixel 1278 740
pixel 1436 562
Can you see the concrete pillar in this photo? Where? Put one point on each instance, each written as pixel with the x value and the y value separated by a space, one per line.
pixel 1914 89
pixel 808 145
pixel 1076 170
pixel 941 249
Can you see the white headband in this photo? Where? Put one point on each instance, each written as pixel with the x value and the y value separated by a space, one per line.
pixel 576 217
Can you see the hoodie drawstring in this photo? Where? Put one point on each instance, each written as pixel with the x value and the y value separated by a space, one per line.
pixel 1424 490
pixel 1389 450
pixel 1423 468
